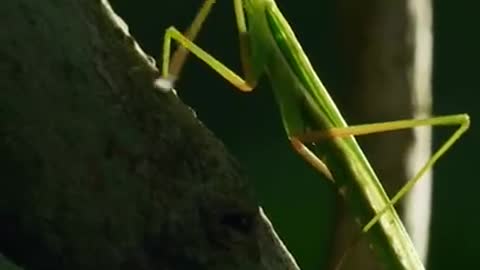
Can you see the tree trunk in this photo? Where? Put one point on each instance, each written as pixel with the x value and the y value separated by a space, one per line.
pixel 387 47
pixel 99 170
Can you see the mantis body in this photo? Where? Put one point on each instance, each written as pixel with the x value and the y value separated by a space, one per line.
pixel 269 46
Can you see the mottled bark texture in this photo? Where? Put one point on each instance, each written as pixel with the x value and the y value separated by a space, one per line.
pixel 98 169
pixel 387 48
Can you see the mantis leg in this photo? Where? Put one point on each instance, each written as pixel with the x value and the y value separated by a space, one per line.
pixel 172 66
pixel 461 120
pixel 310 157
pixel 170 70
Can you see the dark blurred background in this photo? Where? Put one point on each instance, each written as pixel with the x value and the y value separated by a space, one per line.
pixel 298 203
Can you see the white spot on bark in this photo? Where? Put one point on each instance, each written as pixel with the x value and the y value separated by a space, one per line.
pixel 165 85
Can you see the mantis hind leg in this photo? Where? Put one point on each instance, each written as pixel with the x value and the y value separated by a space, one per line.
pixel 461 120
pixel 171 67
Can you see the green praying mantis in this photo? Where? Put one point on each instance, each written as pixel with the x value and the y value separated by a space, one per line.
pixel 314 125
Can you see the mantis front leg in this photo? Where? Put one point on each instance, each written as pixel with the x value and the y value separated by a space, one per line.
pixel 171 66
